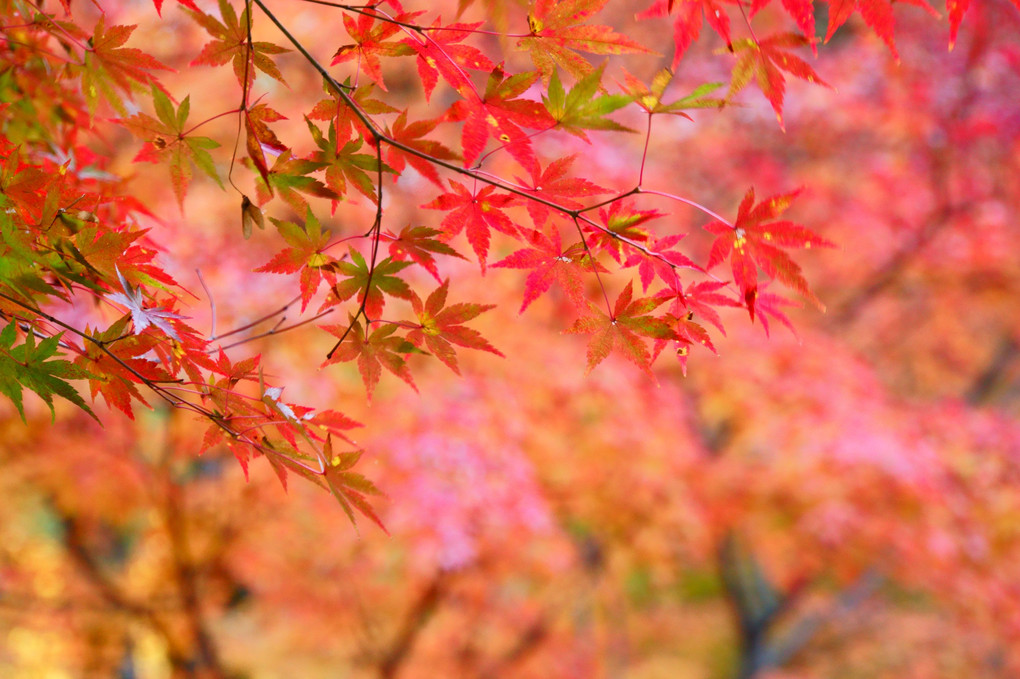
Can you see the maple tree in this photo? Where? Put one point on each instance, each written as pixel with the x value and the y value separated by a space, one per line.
pixel 373 185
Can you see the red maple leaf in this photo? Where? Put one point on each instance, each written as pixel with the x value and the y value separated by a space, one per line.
pixel 662 263
pixel 753 242
pixel 108 65
pixel 370 43
pixel 550 263
pixel 475 213
pixel 441 54
pixel 411 135
pixel 623 329
pixel 501 114
pixel 418 244
pixel 764 62
pixel 553 185
pixel 443 326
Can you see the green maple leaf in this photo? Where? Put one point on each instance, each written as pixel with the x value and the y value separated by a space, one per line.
pixel 344 164
pixel 369 283
pixel 26 366
pixel 289 178
pixel 623 329
pixel 650 98
pixel 167 142
pixel 579 109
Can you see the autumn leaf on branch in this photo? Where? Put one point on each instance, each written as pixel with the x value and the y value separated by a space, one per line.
pixel 27 366
pixel 289 178
pixel 349 488
pixel 412 135
pixel 662 263
pixel 623 329
pixel 475 213
pixel 442 326
pixel 230 44
pixel 501 114
pixel 373 352
pixel 754 240
pixel 650 97
pixel 418 244
pixel 441 54
pixel 547 262
pixel 580 109
pixel 166 142
pixel 109 67
pixel 258 136
pixel 348 125
pixel 370 43
pixel 554 185
pixel 304 255
pixel 369 283
pixel 764 62
pixel 558 33
pixel 621 227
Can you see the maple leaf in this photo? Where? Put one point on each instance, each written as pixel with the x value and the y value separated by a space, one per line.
pixel 623 329
pixel 754 240
pixel 143 317
pixel 258 136
pixel 304 254
pixel 288 177
pixel 230 44
pixel 878 14
pixel 621 226
pixel 347 487
pixel 663 265
pixel 443 326
pixel 441 54
pixel 650 98
pixel 345 119
pixel 579 109
pixel 108 65
pixel 370 43
pixel 166 141
pixel 764 62
pixel 411 135
pixel 688 20
pixel 555 186
pixel 418 244
pixel 115 378
pixel 372 352
pixel 474 213
pixel 556 31
pixel 369 283
pixel 26 366
pixel 499 113
pixel 344 164
pixel 548 262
